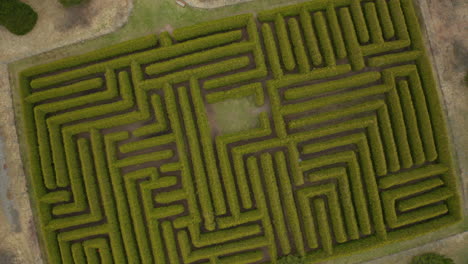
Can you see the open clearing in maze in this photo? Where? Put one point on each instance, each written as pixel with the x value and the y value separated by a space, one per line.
pixel 128 165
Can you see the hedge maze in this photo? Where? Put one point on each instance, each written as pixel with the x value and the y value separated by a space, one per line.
pixel 351 151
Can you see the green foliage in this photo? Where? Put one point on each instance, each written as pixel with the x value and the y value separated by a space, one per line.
pixel 197 58
pixel 284 43
pixel 431 258
pixel 270 48
pixel 310 38
pixel 291 259
pixel 100 54
pixel 299 49
pixel 19 18
pixel 69 3
pixel 318 156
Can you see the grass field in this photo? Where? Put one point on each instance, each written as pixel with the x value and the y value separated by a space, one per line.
pixel 312 130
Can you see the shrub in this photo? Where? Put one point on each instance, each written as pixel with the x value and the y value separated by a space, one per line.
pixel 17 17
pixel 431 258
pixel 68 3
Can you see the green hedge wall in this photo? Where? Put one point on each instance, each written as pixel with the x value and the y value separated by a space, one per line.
pixel 350 152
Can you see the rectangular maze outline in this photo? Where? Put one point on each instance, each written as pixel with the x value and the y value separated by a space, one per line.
pixel 142 52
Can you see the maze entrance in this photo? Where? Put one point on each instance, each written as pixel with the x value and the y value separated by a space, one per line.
pixel 344 148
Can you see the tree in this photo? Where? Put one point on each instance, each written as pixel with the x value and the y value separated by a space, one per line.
pixel 19 18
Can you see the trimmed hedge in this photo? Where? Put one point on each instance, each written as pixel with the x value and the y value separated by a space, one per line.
pixel 310 37
pixel 243 91
pixel 100 54
pixel 375 30
pixel 299 51
pixel 18 17
pixel 291 259
pixel 335 31
pixel 385 19
pixel 330 86
pixel 344 158
pixel 326 46
pixel 271 50
pixel 198 58
pixel 284 43
pixel 354 50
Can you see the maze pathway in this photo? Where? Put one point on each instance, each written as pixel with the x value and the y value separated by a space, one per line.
pixel 350 152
